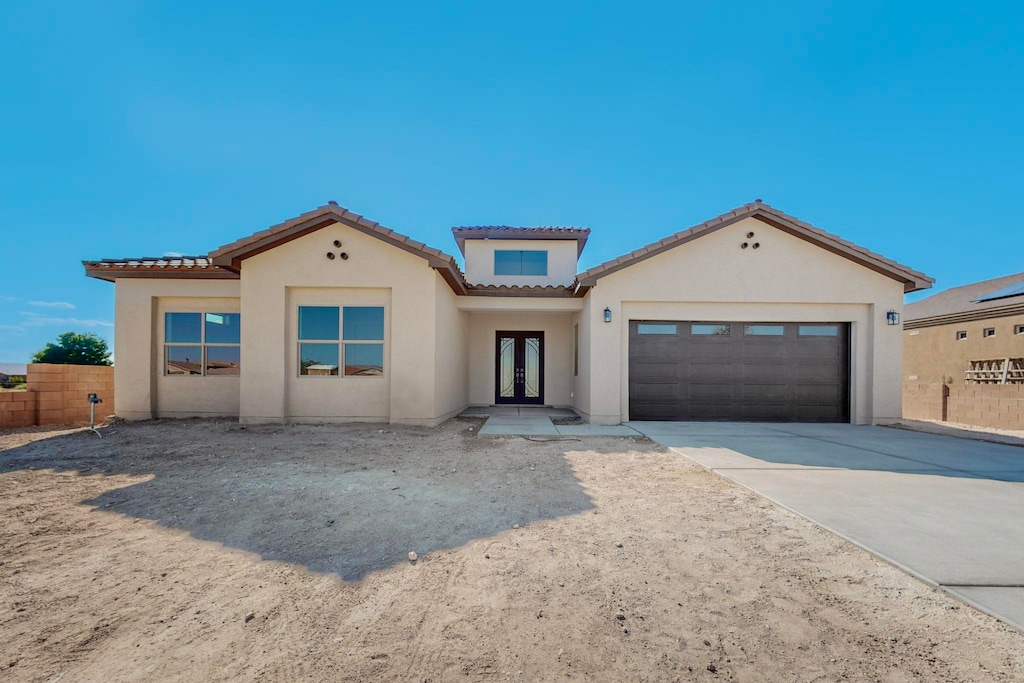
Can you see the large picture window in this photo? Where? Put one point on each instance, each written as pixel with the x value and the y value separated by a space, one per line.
pixel 346 340
pixel 202 344
pixel 520 263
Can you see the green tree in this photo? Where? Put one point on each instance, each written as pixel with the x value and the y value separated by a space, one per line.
pixel 75 348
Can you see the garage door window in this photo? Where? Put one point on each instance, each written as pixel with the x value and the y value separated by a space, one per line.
pixel 656 328
pixel 819 330
pixel 700 329
pixel 764 330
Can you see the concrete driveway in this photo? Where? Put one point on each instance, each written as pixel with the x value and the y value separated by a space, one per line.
pixel 948 510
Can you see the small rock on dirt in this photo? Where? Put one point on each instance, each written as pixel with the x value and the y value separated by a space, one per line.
pixel 249 617
pixel 618 544
pixel 413 557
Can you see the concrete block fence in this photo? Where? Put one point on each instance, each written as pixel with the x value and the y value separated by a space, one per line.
pixel 999 406
pixel 58 395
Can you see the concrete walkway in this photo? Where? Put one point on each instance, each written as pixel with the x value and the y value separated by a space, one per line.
pixel 949 510
pixel 541 425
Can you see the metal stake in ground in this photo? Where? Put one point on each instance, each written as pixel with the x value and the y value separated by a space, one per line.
pixel 93 400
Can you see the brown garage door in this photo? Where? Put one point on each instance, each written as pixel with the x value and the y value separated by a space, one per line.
pixel 794 372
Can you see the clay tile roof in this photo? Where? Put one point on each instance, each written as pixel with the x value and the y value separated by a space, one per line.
pixel 508 232
pixel 549 291
pixel 156 266
pixel 912 279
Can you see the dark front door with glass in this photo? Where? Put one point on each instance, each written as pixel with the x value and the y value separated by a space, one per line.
pixel 520 367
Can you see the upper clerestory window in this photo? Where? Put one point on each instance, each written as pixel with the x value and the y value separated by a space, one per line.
pixel 521 263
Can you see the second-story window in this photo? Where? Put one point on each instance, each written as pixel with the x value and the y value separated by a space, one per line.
pixel 520 262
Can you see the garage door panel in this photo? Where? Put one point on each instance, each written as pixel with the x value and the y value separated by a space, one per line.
pixel 649 391
pixel 739 376
pixel 811 394
pixel 660 371
pixel 754 393
pixel 818 372
pixel 820 413
pixel 759 372
pixel 711 392
pixel 756 348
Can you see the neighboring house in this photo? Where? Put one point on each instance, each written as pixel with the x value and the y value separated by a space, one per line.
pixel 966 332
pixel 752 315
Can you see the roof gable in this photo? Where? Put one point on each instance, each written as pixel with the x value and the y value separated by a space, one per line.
pixel 230 256
pixel 911 279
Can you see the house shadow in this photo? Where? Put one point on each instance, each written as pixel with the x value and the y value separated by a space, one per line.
pixel 346 500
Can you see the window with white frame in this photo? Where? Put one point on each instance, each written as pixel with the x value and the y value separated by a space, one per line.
pixel 202 344
pixel 341 340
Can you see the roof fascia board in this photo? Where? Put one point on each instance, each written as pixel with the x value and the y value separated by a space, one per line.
pixel 911 281
pixel 179 273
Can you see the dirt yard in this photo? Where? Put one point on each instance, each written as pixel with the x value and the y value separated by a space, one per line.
pixel 202 550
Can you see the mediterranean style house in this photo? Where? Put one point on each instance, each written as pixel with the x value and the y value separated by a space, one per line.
pixel 973 333
pixel 329 317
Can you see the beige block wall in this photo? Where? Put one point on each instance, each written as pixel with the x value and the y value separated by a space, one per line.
pixel 276 282
pixel 562 256
pixel 786 280
pixel 141 391
pixel 557 331
pixel 924 401
pixel 18 409
pixel 997 406
pixel 58 395
pixel 934 355
pixel 986 405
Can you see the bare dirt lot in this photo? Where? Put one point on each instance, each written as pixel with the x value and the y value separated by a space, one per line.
pixel 202 550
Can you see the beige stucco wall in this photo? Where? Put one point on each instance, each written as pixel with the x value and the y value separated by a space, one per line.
pixel 711 278
pixel 480 261
pixel 451 371
pixel 557 352
pixel 277 281
pixel 141 391
pixel 933 354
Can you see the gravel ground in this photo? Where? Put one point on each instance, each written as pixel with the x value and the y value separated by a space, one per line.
pixel 203 550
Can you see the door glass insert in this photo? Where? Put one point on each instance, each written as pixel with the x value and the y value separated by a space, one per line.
pixel 532 367
pixel 507 367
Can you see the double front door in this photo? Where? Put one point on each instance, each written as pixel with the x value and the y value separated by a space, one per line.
pixel 519 368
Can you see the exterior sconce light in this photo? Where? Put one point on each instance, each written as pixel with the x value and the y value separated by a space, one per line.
pixel 892 317
pixel 607 314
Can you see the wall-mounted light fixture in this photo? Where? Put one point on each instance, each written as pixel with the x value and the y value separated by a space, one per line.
pixel 892 317
pixel 607 314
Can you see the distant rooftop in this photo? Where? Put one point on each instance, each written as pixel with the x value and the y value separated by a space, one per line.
pixel 507 232
pixel 979 296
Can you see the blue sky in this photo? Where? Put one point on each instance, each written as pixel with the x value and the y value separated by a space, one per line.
pixel 140 128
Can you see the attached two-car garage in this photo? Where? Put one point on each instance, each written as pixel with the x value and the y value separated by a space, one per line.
pixel 696 370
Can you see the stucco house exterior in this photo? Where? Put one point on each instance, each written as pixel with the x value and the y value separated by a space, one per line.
pixel 980 325
pixel 328 316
